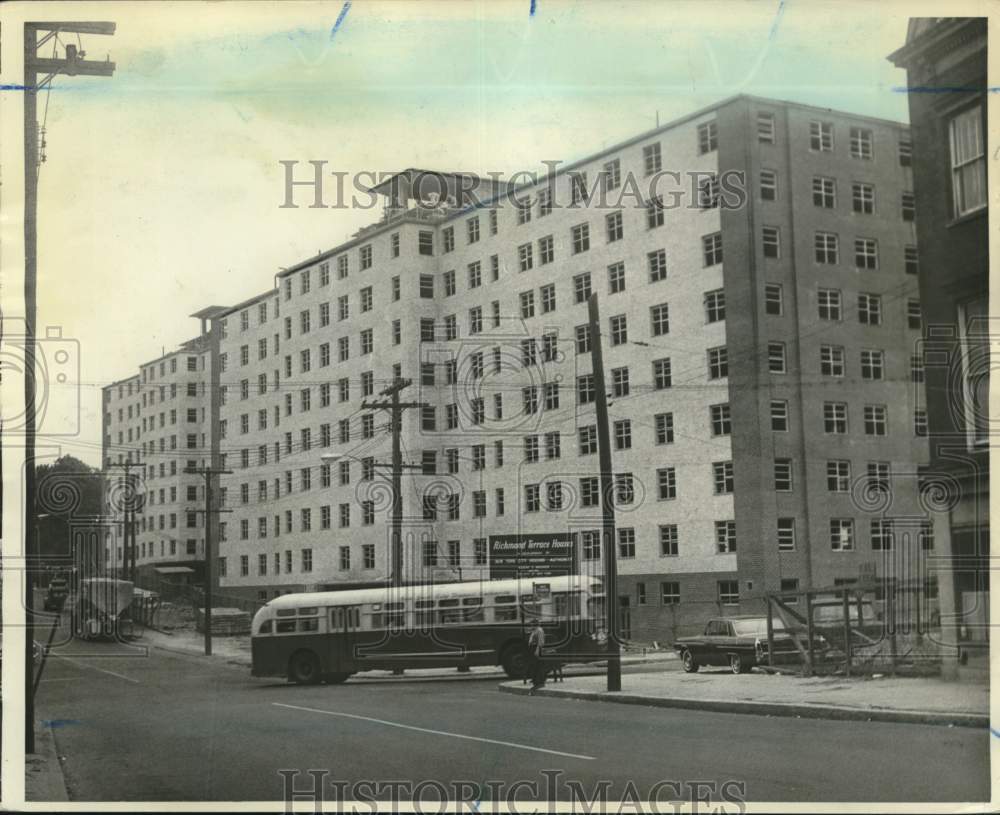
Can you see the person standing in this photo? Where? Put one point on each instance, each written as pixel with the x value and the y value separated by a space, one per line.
pixel 536 645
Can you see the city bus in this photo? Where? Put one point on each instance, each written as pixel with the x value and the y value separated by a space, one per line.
pixel 329 636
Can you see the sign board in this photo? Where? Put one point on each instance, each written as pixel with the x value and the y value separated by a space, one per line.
pixel 532 555
pixel 541 591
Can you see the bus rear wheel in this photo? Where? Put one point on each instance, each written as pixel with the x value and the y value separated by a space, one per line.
pixel 516 660
pixel 336 678
pixel 303 668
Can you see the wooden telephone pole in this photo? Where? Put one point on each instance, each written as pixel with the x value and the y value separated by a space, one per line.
pixel 208 473
pixel 607 499
pixel 72 64
pixel 396 408
pixel 128 527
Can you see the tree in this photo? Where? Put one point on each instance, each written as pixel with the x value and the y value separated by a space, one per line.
pixel 67 491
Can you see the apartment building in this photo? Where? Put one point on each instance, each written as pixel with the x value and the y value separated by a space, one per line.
pixel 755 264
pixel 758 341
pixel 160 420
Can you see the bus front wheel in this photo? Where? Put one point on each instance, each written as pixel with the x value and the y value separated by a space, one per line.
pixel 303 668
pixel 516 660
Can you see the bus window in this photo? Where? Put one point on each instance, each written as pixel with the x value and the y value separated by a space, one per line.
pixel 309 625
pixel 336 618
pixel 472 610
pixel 265 627
pixel 309 611
pixel 424 614
pixel 530 608
pixel 448 611
pixel 567 604
pixel 285 626
pixel 505 608
pixel 285 612
pixel 395 615
pixel 354 616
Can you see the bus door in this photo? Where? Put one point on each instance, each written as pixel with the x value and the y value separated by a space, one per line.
pixel 345 621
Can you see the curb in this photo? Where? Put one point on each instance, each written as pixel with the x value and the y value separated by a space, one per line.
pixel 44 779
pixel 766 708
pixel 193 652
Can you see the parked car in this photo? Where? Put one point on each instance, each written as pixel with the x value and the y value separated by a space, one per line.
pixel 740 643
pixel 57 593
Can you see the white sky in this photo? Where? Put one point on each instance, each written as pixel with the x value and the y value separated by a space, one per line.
pixel 162 187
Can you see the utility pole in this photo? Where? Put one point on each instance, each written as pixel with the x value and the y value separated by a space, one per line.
pixel 71 65
pixel 208 473
pixel 396 408
pixel 128 527
pixel 607 499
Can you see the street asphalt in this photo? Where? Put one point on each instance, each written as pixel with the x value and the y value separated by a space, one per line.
pixel 165 726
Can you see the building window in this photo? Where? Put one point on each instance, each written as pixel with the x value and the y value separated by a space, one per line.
pixel 768 185
pixel 786 534
pixel 821 136
pixel 773 299
pixel 866 253
pixel 911 264
pixel 663 425
pixel 657 262
pixel 729 592
pixel 425 243
pixel 876 420
pixel 581 238
pixel 826 247
pixel 829 302
pixel 616 278
pixel 660 319
pixel 908 206
pixel 623 434
pixel 824 192
pixel 655 212
pixel 765 128
pixel 613 222
pixel 708 137
pixel 626 542
pixel 722 477
pixel 619 330
pixel 842 534
pixel 715 305
pixel 862 145
pixel 720 420
pixel 779 415
pixel 968 161
pixel 708 192
pixel 578 188
pixel 863 198
pixel 548 298
pixel 587 438
pixel 591 544
pixel 718 363
pixel 525 257
pixel 838 476
pixel 905 151
pixel 776 358
pixel 585 389
pixel 771 241
pixel 666 483
pixel 661 373
pixel 670 592
pixel 872 364
pixel 711 246
pixel 651 158
pixel 869 309
pixel 835 417
pixel 546 250
pixel 782 475
pixel 472 229
pixel 612 174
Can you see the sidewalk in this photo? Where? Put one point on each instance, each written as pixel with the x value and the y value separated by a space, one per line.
pixel 887 699
pixel 43 774
pixel 236 651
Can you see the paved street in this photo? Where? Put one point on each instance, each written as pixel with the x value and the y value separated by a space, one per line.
pixel 173 727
